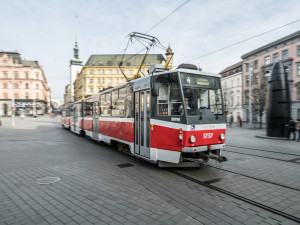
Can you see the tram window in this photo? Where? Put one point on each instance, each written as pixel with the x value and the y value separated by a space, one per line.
pixel 106 105
pixel 169 97
pixel 102 104
pixel 88 109
pixel 118 102
pixel 78 110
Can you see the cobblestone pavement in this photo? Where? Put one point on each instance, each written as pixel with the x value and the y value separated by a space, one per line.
pixel 95 189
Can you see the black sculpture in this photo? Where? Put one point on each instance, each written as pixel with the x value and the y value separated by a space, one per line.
pixel 279 108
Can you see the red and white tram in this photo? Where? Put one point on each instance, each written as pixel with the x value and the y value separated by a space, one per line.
pixel 168 117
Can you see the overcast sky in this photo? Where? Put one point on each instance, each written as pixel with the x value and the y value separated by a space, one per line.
pixel 45 30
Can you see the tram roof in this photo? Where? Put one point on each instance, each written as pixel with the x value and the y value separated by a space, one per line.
pixel 188 71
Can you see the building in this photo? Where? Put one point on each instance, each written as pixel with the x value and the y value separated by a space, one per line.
pixel 259 63
pixel 67 95
pixel 23 83
pixel 231 82
pixel 75 68
pixel 102 71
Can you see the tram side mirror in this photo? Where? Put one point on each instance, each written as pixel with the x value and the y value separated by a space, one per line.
pixel 155 89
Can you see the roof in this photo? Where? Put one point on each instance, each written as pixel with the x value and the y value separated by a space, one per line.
pixel 31 63
pixel 128 60
pixel 14 55
pixel 17 56
pixel 232 67
pixel 274 43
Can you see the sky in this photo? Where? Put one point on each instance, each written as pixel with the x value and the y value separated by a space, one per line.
pixel 46 30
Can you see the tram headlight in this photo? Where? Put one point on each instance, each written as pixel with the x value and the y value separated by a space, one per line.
pixel 222 136
pixel 192 139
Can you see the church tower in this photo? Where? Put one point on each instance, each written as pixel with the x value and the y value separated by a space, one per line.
pixel 75 68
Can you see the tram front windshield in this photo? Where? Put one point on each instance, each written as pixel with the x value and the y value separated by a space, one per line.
pixel 202 95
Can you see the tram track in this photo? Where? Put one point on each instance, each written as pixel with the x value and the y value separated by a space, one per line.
pixel 262 150
pixel 239 197
pixel 266 157
pixel 255 178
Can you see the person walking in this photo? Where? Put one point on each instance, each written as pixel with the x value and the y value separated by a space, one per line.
pixel 292 129
pixel 230 121
pixel 240 122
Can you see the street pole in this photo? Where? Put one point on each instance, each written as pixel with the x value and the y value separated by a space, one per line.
pixel 13 97
pixel 250 94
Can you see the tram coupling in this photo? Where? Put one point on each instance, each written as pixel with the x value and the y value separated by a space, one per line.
pixel 218 158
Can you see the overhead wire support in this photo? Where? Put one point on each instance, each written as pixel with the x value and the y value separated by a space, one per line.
pixel 147 41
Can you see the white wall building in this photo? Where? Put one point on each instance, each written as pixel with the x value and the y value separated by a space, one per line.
pixel 231 82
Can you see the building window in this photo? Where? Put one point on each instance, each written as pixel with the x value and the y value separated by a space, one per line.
pixel 254 78
pixel 110 71
pixel 129 71
pixel 16 85
pixel 103 81
pixel 5 85
pixel 91 71
pixel 99 80
pixel 117 80
pixel 37 86
pixel 5 74
pixel 285 54
pixel 91 80
pixel 298 52
pixel 109 80
pixel 16 74
pixel 16 95
pixel 275 58
pixel 255 64
pixel 27 86
pixel 238 82
pixel 5 95
pixel 27 75
pixel 99 71
pixel 100 63
pixel 27 95
pixel 91 90
pixel 298 69
pixel 267 60
pixel 247 81
pixel 37 76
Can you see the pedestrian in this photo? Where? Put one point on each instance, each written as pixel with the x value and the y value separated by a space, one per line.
pixel 298 129
pixel 230 121
pixel 240 122
pixel 292 129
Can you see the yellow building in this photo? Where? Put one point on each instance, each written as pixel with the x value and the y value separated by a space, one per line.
pixel 102 71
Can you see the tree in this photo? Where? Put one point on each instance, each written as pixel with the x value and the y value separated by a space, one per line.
pixel 259 99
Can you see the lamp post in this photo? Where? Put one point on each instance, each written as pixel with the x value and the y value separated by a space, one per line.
pixel 13 97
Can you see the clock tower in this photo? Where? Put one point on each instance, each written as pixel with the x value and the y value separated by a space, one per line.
pixel 75 68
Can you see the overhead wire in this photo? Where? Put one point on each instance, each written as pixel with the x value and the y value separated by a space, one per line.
pixel 159 22
pixel 239 42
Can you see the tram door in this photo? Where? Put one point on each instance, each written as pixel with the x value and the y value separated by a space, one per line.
pixel 142 123
pixel 95 120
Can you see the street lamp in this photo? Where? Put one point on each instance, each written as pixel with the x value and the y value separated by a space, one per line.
pixel 13 96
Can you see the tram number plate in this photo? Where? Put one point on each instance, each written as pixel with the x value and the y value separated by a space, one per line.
pixel 207 135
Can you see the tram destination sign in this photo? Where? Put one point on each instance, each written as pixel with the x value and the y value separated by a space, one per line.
pixel 196 80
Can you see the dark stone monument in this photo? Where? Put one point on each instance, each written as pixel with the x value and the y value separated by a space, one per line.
pixel 279 107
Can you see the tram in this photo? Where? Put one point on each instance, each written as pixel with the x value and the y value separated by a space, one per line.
pixel 171 118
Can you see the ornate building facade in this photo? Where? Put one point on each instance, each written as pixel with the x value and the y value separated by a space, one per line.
pixel 102 71
pixel 23 83
pixel 231 81
pixel 258 65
